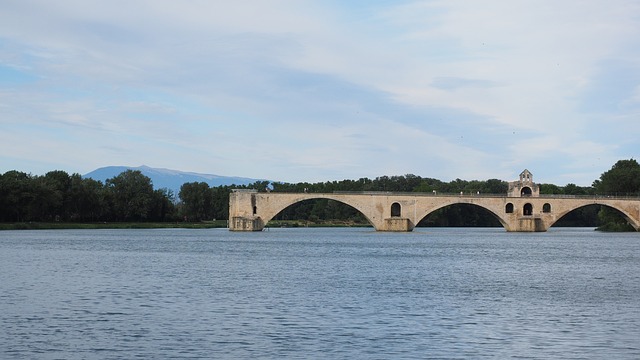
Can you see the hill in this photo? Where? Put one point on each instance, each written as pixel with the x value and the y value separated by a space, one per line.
pixel 170 179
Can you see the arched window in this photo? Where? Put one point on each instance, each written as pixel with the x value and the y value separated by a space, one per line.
pixel 509 208
pixel 526 191
pixel 527 209
pixel 255 210
pixel 395 210
pixel 546 208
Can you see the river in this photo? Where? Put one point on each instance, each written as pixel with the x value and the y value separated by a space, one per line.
pixel 321 293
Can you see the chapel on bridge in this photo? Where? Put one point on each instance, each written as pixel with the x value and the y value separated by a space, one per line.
pixel 525 187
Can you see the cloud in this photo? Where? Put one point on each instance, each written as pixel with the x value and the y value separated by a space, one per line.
pixel 454 83
pixel 314 91
pixel 613 88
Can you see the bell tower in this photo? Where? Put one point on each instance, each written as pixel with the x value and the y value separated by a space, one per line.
pixel 525 187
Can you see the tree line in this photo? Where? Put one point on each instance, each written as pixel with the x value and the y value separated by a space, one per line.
pixel 130 197
pixel 58 196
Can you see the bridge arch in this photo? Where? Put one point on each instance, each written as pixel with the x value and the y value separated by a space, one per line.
pixel 492 211
pixel 267 213
pixel 627 216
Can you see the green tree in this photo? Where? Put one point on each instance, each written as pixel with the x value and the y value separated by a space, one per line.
pixel 196 201
pixel 549 189
pixel 57 186
pixel 220 202
pixel 573 189
pixel 428 185
pixel 131 193
pixel 161 207
pixel 46 201
pixel 460 215
pixel 622 179
pixel 16 195
pixel 495 186
pixel 86 199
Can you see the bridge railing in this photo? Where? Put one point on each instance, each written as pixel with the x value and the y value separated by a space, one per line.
pixel 465 194
pixel 477 194
pixel 596 196
pixel 409 193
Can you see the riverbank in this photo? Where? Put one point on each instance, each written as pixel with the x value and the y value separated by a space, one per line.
pixel 615 227
pixel 113 225
pixel 302 223
pixel 214 225
pixel 168 225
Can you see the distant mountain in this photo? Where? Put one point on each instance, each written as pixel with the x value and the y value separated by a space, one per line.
pixel 170 179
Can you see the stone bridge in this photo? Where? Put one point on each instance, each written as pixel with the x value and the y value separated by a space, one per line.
pixel 528 212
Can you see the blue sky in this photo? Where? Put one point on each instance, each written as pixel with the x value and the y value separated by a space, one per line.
pixel 322 90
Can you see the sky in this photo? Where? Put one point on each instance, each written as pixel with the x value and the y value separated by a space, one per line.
pixel 314 91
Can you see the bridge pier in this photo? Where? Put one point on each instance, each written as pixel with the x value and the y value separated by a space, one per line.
pixel 397 224
pixel 529 224
pixel 243 211
pixel 241 223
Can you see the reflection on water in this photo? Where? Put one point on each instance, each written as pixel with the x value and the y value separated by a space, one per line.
pixel 319 293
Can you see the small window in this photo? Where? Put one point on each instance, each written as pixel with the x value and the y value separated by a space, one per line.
pixel 546 208
pixel 527 210
pixel 255 210
pixel 396 210
pixel 509 208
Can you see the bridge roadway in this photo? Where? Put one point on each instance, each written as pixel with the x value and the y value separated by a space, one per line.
pixel 251 211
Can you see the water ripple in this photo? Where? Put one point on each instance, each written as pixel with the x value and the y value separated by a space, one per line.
pixel 319 293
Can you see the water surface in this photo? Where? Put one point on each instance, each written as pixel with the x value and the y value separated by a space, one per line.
pixel 319 293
